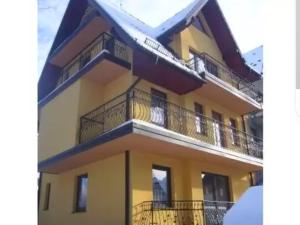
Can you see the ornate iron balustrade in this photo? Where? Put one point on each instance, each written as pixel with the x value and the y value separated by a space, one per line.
pixel 141 105
pixel 219 70
pixel 103 41
pixel 185 212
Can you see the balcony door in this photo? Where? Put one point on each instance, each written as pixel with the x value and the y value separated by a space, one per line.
pixel 218 129
pixel 158 108
pixel 216 196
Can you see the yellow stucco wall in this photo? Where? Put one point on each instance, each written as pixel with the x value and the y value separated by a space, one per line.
pixel 105 196
pixel 196 40
pixel 186 181
pixel 58 123
pixel 59 119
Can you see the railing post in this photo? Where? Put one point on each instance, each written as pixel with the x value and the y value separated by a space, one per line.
pixel 203 211
pixel 80 130
pixel 152 212
pixel 128 106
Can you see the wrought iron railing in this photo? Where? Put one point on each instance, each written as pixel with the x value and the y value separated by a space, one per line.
pixel 140 105
pixel 183 212
pixel 103 41
pixel 219 70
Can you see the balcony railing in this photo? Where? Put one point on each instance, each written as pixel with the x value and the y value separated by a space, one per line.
pixel 141 105
pixel 219 70
pixel 180 212
pixel 104 41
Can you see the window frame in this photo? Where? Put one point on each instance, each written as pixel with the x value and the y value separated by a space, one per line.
pixel 169 188
pixel 77 208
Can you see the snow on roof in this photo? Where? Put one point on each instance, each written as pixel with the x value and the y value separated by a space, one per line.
pixel 142 34
pixel 254 59
pixel 184 14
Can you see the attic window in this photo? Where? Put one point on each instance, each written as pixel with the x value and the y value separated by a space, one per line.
pixel 199 25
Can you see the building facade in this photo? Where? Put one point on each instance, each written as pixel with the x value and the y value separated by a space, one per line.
pixel 141 125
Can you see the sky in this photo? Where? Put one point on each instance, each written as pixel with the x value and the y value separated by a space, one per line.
pixel 244 18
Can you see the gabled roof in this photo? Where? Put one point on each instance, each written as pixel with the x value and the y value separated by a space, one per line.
pixel 183 18
pixel 138 34
pixel 142 37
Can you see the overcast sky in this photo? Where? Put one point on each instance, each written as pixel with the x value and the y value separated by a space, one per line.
pixel 243 16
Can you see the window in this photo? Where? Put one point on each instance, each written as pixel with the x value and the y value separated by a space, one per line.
pixel 215 187
pixel 81 197
pixel 196 62
pixel 234 133
pixel 158 108
pixel 161 182
pixel 211 68
pixel 218 129
pixel 47 196
pixel 199 25
pixel 216 196
pixel 201 123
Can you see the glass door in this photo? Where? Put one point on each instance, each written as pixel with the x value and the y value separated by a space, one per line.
pixel 216 198
pixel 158 108
pixel 218 129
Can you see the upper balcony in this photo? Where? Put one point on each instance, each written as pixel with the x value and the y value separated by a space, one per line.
pixel 104 43
pixel 236 92
pixel 140 105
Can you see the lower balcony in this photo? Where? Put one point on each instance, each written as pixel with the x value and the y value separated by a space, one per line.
pixel 180 212
pixel 142 106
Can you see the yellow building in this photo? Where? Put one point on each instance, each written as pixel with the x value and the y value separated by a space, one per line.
pixel 142 125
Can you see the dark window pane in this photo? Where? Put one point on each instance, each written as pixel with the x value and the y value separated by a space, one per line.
pixel 82 185
pixel 208 188
pixel 161 184
pixel 212 68
pixel 221 188
pixel 215 187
